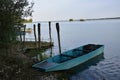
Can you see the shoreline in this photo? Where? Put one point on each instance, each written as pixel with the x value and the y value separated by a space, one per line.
pixel 18 66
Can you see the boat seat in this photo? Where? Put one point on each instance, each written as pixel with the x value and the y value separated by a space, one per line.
pixel 67 55
pixel 44 65
pixel 77 50
pixel 83 51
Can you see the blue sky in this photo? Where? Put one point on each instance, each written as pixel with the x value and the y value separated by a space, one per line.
pixel 45 10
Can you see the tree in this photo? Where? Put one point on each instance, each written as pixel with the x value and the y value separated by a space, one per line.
pixel 11 13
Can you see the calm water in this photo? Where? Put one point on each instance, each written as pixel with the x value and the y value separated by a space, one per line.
pixel 74 34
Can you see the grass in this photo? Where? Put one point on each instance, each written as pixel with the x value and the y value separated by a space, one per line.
pixel 32 51
pixel 31 44
pixel 17 65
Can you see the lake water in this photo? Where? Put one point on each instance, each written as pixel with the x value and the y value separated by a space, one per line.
pixel 74 34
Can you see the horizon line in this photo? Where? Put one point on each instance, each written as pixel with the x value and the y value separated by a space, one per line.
pixel 82 19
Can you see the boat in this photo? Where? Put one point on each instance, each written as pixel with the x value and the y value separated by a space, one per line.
pixel 70 58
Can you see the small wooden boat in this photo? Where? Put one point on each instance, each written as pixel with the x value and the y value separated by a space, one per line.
pixel 70 59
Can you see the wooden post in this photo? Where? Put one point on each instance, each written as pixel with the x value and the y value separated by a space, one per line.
pixel 50 39
pixel 39 40
pixel 24 36
pixel 20 33
pixel 20 45
pixel 58 34
pixel 50 33
pixel 39 36
pixel 35 35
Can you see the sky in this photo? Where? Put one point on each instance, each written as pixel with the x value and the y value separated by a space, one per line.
pixel 48 10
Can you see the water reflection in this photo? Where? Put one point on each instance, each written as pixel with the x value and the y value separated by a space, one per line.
pixel 46 54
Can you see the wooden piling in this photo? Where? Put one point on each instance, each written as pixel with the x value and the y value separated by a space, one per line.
pixel 39 36
pixel 20 33
pixel 58 34
pixel 20 45
pixel 34 27
pixel 24 26
pixel 50 33
pixel 39 40
pixel 50 39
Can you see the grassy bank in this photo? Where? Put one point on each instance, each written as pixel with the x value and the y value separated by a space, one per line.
pixel 17 65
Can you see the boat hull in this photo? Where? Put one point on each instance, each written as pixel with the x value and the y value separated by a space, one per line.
pixel 53 64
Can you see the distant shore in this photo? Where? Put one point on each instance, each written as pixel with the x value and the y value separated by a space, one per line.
pixel 93 19
pixel 103 18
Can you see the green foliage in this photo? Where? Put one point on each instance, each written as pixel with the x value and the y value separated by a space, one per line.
pixel 11 13
pixel 71 20
pixel 27 20
pixel 82 19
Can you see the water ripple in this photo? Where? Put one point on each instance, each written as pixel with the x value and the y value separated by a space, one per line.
pixel 108 69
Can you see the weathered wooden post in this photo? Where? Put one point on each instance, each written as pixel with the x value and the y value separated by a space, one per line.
pixel 24 26
pixel 19 27
pixel 35 35
pixel 20 46
pixel 39 36
pixel 39 39
pixel 58 34
pixel 50 39
pixel 50 33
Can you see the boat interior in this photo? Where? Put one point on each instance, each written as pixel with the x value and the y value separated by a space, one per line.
pixel 80 51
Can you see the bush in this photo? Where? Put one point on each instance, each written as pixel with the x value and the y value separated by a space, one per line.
pixel 11 13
